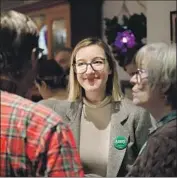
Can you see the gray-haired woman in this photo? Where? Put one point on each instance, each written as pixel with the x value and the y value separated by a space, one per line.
pixel 109 129
pixel 155 88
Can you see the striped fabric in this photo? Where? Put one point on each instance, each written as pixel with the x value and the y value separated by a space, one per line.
pixel 34 141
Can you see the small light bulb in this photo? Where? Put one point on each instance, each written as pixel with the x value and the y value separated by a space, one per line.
pixel 124 40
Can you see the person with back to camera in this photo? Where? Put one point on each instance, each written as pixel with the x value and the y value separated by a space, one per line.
pixel 51 80
pixel 155 88
pixel 33 139
pixel 108 128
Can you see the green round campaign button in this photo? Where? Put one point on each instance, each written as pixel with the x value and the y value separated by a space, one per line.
pixel 120 142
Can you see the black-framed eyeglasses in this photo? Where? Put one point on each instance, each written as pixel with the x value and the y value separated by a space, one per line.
pixel 97 64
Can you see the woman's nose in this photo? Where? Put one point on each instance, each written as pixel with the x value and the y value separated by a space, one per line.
pixel 89 69
pixel 133 79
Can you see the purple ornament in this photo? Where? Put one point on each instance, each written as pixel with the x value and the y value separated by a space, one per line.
pixel 125 40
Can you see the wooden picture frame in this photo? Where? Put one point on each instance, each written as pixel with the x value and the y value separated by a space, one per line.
pixel 173 24
pixel 126 87
pixel 46 14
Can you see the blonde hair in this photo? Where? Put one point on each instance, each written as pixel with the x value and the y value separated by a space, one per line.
pixel 113 87
pixel 159 59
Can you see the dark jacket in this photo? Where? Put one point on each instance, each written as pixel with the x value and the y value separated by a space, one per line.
pixel 159 158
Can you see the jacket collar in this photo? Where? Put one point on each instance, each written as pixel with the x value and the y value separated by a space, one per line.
pixel 76 107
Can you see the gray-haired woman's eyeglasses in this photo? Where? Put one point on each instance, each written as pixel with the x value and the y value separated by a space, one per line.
pixel 139 76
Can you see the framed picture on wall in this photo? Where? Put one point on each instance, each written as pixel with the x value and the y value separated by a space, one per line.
pixel 173 24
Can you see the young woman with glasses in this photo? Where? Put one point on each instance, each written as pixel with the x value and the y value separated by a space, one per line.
pixel 108 128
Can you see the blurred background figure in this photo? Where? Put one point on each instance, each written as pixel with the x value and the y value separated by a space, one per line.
pixel 62 57
pixel 51 80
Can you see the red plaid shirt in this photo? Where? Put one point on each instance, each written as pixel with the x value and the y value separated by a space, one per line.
pixel 34 141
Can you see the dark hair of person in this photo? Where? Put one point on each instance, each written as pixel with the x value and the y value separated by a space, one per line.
pixel 51 73
pixel 65 49
pixel 18 37
pixel 8 86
